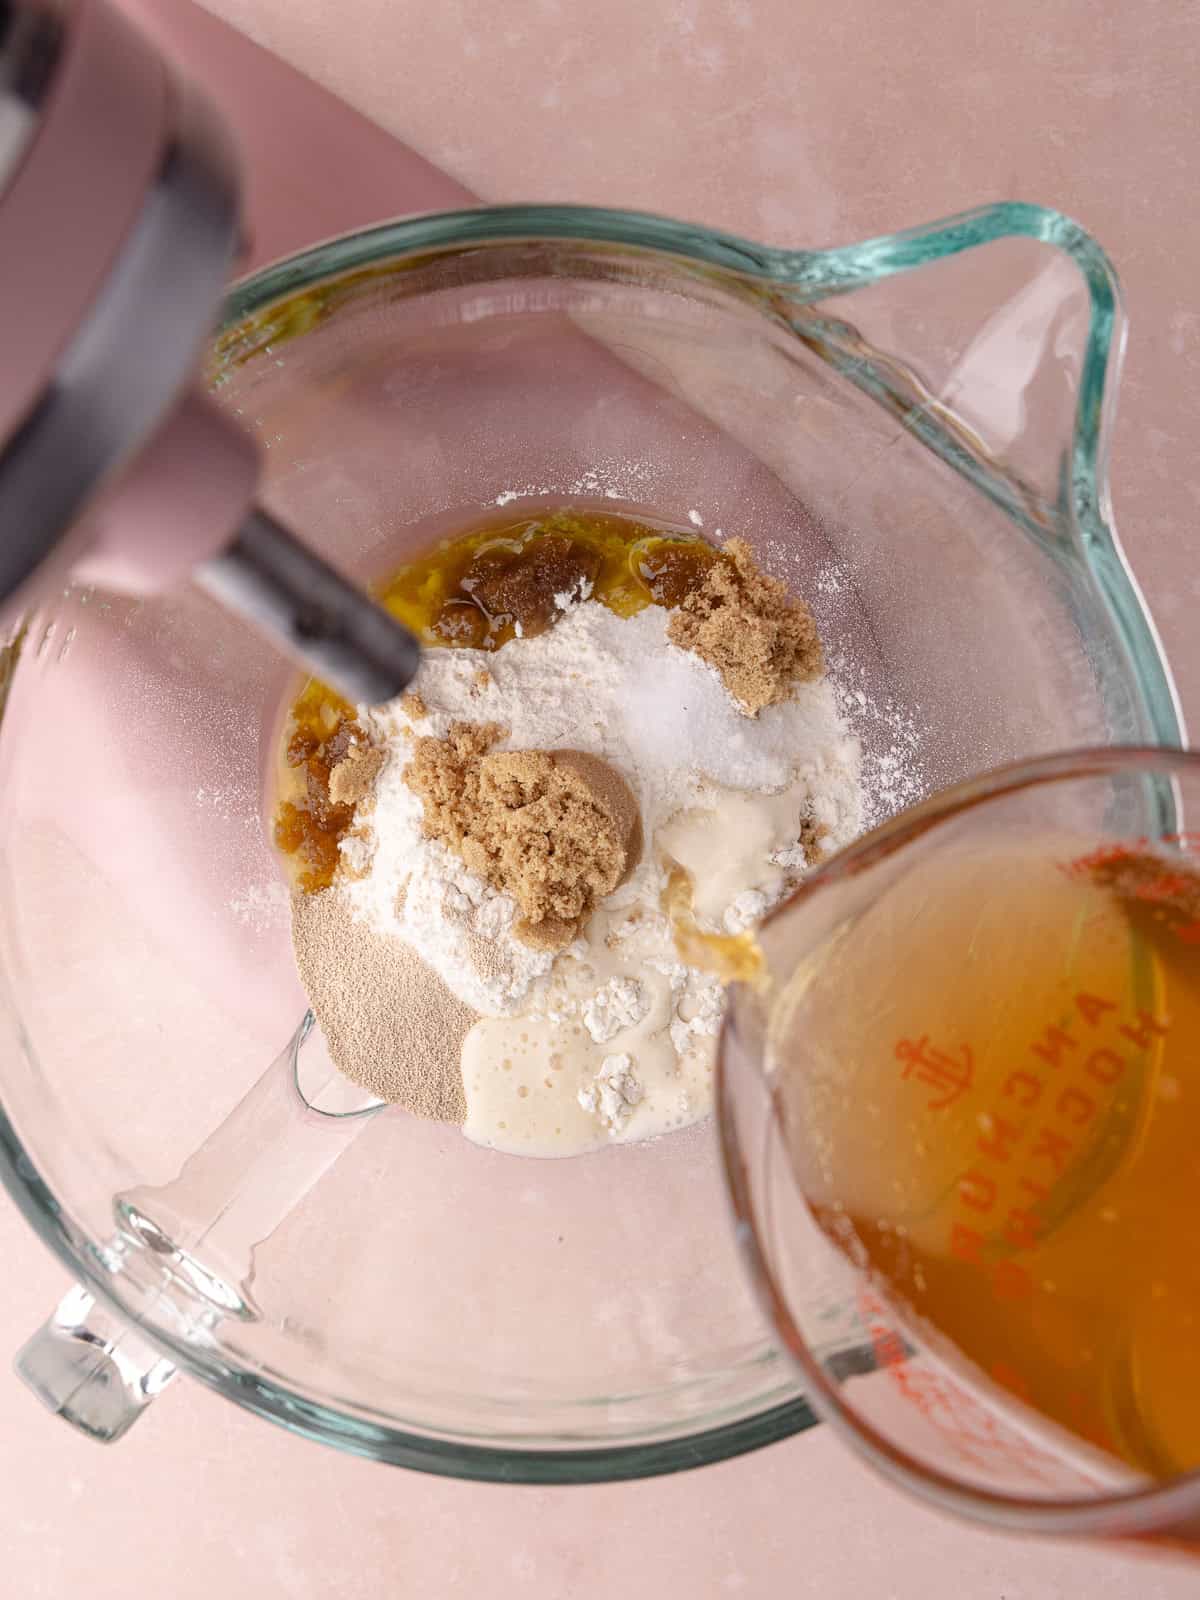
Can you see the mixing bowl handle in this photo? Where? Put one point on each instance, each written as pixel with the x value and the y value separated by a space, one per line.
pixel 182 1260
pixel 92 1367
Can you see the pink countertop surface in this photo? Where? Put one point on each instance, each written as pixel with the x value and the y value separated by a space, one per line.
pixel 798 124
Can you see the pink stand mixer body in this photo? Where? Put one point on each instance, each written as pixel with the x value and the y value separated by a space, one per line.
pixel 119 226
pixel 119 223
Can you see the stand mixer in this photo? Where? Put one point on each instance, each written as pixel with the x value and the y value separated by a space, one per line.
pixel 119 225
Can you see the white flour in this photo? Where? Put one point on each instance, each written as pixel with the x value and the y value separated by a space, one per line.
pixel 613 1094
pixel 726 794
pixel 621 1003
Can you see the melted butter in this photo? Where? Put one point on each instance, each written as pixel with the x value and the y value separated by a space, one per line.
pixel 498 582
pixel 732 957
pixel 308 826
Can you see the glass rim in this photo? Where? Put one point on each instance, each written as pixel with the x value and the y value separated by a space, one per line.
pixel 805 275
pixel 1010 777
pixel 1140 1510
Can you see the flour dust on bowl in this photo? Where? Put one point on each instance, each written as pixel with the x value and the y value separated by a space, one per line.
pixel 910 434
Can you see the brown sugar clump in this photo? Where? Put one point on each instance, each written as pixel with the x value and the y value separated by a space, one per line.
pixel 413 705
pixel 749 629
pixel 351 780
pixel 528 587
pixel 555 829
pixel 311 822
pixel 812 840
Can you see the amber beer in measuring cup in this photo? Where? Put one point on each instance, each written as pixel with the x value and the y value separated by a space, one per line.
pixel 980 1140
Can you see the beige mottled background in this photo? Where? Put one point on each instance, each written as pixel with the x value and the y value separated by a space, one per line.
pixel 802 124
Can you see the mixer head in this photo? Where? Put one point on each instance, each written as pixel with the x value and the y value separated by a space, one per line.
pixel 119 227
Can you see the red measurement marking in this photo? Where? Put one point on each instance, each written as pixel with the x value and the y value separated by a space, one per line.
pixel 976 1190
pixel 1125 850
pixel 1078 1108
pixel 1106 1066
pixel 1055 1149
pixel 1102 856
pixel 966 1244
pixel 1022 1228
pixel 1093 1007
pixel 1147 1030
pixel 1023 1087
pixel 1000 1139
pixel 1169 887
pixel 948 1075
pixel 1054 1042
pixel 978 1437
pixel 886 1344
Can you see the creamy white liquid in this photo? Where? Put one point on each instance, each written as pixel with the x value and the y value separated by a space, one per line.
pixel 524 1075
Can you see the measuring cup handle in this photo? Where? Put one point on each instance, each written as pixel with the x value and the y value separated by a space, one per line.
pixel 182 1256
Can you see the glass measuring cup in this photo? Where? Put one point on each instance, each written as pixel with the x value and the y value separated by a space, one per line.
pixel 964 1120
pixel 910 431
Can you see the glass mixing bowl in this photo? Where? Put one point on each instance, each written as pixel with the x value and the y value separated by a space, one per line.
pixel 910 431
